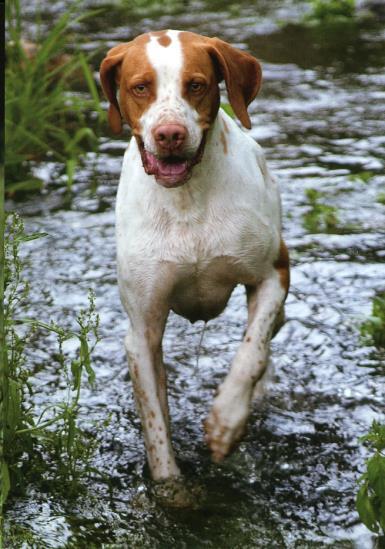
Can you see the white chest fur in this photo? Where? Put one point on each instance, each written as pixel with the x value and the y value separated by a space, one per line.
pixel 230 207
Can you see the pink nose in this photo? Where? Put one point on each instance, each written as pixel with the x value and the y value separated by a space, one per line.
pixel 170 137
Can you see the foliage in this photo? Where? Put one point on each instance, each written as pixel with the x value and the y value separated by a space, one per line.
pixel 331 11
pixel 373 329
pixel 51 442
pixel 320 217
pixel 362 177
pixel 370 500
pixel 381 198
pixel 43 117
pixel 228 109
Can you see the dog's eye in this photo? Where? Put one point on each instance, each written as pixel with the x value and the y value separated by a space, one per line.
pixel 196 87
pixel 140 89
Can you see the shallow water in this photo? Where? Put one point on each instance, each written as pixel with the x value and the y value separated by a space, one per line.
pixel 292 482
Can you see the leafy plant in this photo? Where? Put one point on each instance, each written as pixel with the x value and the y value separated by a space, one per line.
pixel 373 329
pixel 320 217
pixel 44 118
pixel 50 441
pixel 362 177
pixel 381 198
pixel 370 501
pixel 228 109
pixel 331 11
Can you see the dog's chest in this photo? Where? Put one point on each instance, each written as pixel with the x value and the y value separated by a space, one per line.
pixel 197 236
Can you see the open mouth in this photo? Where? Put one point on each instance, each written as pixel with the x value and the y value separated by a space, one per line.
pixel 170 171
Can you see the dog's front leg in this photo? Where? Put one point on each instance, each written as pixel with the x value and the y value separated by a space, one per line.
pixel 227 420
pixel 144 353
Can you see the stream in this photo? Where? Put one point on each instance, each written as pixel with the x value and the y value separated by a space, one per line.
pixel 292 482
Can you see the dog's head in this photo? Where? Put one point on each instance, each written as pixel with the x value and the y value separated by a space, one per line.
pixel 169 95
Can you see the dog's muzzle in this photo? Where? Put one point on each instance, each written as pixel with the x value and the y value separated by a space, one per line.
pixel 173 170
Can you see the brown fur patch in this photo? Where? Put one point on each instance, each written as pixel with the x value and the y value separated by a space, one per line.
pixel 282 265
pixel 125 66
pixel 241 72
pixel 164 40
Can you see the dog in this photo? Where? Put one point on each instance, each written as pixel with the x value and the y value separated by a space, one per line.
pixel 197 214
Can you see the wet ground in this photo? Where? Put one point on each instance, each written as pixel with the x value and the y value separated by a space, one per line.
pixel 292 482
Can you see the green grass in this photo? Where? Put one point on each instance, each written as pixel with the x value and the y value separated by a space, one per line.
pixel 46 443
pixel 370 501
pixel 362 177
pixel 326 12
pixel 44 118
pixel 373 329
pixel 320 217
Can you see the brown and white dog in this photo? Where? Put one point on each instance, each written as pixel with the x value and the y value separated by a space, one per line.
pixel 197 214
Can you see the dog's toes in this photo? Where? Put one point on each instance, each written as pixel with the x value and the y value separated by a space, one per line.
pixel 221 438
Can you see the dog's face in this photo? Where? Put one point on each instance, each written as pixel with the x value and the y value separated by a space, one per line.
pixel 169 95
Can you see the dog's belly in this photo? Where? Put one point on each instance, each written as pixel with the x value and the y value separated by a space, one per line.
pixel 202 290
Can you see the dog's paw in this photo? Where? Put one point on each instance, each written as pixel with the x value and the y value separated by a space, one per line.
pixel 224 428
pixel 178 493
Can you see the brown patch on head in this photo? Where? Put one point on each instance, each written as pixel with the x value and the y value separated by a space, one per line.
pixel 164 41
pixel 163 38
pixel 282 265
pixel 127 67
pixel 224 142
pixel 217 60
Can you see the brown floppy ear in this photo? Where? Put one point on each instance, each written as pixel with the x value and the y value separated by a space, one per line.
pixel 242 74
pixel 109 76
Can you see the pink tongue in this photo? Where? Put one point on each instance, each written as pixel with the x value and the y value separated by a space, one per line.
pixel 159 167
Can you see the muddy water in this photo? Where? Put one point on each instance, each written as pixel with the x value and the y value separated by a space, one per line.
pixel 292 482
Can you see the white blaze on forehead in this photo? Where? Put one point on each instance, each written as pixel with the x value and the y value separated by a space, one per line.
pixel 169 106
pixel 167 62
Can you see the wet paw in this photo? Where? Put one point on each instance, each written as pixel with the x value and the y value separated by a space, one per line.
pixel 177 493
pixel 222 434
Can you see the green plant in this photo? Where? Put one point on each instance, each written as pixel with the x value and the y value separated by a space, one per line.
pixel 320 217
pixel 44 118
pixel 49 440
pixel 381 198
pixel 362 177
pixel 370 501
pixel 373 329
pixel 228 109
pixel 330 11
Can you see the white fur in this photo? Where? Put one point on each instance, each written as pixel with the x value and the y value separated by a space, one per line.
pixel 170 107
pixel 186 248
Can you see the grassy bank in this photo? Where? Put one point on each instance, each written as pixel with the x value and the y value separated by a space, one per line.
pixel 45 119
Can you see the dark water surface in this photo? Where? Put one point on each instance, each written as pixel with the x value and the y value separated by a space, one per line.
pixel 292 482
